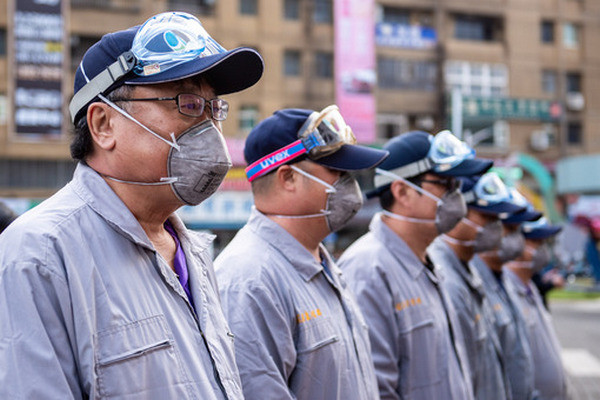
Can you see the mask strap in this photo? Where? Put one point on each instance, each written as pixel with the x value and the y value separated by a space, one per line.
pixel 409 183
pixel 321 214
pixel 163 181
pixel 522 264
pixel 408 219
pixel 172 143
pixel 466 243
pixel 472 224
pixel 330 189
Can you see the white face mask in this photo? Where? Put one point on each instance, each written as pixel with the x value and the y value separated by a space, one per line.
pixel 451 208
pixel 488 236
pixel 197 163
pixel 344 199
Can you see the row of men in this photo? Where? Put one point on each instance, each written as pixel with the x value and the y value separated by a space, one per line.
pixel 105 293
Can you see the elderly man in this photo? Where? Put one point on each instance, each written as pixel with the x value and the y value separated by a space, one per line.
pixel 299 333
pixel 549 377
pixel 487 200
pixel 103 291
pixel 412 326
pixel 508 322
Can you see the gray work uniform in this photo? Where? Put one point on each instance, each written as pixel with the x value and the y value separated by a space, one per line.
pixel 89 309
pixel 298 331
pixel 412 325
pixel 549 375
pixel 510 330
pixel 465 289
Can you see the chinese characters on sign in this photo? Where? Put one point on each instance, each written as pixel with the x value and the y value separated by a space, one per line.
pixel 38 62
pixel 508 108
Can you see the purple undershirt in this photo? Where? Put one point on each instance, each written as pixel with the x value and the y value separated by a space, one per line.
pixel 180 263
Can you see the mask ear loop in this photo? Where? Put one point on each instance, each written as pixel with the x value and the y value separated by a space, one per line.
pixel 409 183
pixel 330 189
pixel 172 143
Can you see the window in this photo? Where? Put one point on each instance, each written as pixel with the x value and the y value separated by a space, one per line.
pixel 574 133
pixel 573 81
pixel 570 35
pixel 476 79
pixel 291 63
pixel 198 7
pixel 323 64
pixel 291 9
pixel 248 7
pixel 547 32
pixel 549 81
pixel 248 118
pixel 2 42
pixel 396 73
pixel 393 15
pixel 476 28
pixel 323 11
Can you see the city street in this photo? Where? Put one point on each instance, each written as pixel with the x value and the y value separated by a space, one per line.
pixel 578 327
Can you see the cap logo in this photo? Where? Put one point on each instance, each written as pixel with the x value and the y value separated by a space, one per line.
pixel 275 159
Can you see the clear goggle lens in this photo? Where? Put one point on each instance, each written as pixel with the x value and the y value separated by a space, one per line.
pixel 325 132
pixel 447 151
pixel 491 189
pixel 533 225
pixel 517 198
pixel 170 39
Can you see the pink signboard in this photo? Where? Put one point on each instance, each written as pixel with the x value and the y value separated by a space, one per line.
pixel 355 65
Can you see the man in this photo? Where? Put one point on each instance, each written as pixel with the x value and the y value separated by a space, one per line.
pixel 412 326
pixel 299 333
pixel 549 375
pixel 103 291
pixel 508 322
pixel 487 199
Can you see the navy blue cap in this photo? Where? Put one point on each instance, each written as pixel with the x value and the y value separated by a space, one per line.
pixel 281 129
pixel 413 147
pixel 502 207
pixel 539 229
pixel 529 214
pixel 227 72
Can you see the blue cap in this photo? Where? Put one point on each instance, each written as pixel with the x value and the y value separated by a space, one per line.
pixel 501 205
pixel 281 129
pixel 539 229
pixel 412 148
pixel 529 214
pixel 227 72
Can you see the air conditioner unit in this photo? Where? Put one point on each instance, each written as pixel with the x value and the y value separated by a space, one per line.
pixel 575 101
pixel 539 141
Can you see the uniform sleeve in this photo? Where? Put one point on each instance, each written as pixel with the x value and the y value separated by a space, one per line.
pixel 264 343
pixel 376 303
pixel 33 335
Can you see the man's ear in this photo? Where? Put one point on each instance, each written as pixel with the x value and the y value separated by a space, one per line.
pixel 286 178
pixel 399 190
pixel 99 117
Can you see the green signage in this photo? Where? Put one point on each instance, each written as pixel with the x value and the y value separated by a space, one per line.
pixel 509 108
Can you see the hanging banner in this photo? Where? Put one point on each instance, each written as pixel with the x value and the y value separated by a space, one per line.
pixel 38 65
pixel 355 75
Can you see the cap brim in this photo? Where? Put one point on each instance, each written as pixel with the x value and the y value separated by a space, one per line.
pixel 543 232
pixel 502 207
pixel 472 166
pixel 353 158
pixel 227 72
pixel 523 216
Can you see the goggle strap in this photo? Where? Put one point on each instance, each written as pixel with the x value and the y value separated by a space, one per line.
pixel 407 171
pixel 273 160
pixel 101 82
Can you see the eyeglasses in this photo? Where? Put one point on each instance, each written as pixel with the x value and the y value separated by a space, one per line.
pixel 449 183
pixel 193 105
pixel 323 133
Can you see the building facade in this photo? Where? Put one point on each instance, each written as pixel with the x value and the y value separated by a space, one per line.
pixel 510 75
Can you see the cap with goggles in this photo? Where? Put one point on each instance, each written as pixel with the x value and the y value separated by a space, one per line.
pixel 489 194
pixel 167 47
pixel 539 229
pixel 417 152
pixel 527 214
pixel 294 134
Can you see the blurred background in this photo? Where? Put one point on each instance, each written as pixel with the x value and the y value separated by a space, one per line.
pixel 517 79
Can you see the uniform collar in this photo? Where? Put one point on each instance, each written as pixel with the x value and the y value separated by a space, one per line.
pixel 439 248
pixel 395 245
pixel 287 245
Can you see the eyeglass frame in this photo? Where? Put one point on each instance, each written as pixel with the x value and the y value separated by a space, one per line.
pixel 176 99
pixel 449 183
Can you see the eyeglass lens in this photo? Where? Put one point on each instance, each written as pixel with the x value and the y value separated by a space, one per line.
pixel 193 106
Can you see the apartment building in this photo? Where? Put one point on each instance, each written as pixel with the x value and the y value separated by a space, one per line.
pixel 512 75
